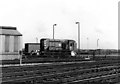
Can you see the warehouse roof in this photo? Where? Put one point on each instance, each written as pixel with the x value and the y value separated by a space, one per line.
pixel 7 30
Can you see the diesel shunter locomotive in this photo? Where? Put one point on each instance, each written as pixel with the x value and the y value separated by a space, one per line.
pixel 57 47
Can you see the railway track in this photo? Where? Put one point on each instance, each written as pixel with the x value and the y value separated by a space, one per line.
pixel 72 76
pixel 81 75
pixel 69 73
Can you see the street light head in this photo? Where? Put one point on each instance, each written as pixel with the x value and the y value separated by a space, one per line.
pixel 77 22
pixel 55 24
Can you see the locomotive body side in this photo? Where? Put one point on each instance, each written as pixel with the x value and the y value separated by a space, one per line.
pixel 31 47
pixel 56 47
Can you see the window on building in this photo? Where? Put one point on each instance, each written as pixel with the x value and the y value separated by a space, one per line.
pixel 16 44
pixel 7 38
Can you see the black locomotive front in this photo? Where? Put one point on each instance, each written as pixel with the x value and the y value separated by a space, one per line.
pixel 56 47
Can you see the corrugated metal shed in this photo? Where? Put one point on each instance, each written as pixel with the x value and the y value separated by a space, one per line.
pixel 9 31
pixel 10 43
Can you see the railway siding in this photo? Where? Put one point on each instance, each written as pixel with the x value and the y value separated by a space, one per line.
pixel 65 73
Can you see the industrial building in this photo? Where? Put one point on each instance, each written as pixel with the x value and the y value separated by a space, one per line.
pixel 10 43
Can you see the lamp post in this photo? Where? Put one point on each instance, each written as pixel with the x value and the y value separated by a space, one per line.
pixel 97 44
pixel 36 40
pixel 87 43
pixel 53 29
pixel 78 34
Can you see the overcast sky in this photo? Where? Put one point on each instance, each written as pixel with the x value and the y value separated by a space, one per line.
pixel 35 18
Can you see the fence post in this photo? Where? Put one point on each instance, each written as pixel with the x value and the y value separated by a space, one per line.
pixel 20 53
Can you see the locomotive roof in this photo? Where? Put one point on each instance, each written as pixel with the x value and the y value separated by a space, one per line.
pixel 58 39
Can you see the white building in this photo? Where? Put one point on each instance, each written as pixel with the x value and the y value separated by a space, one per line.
pixel 10 43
